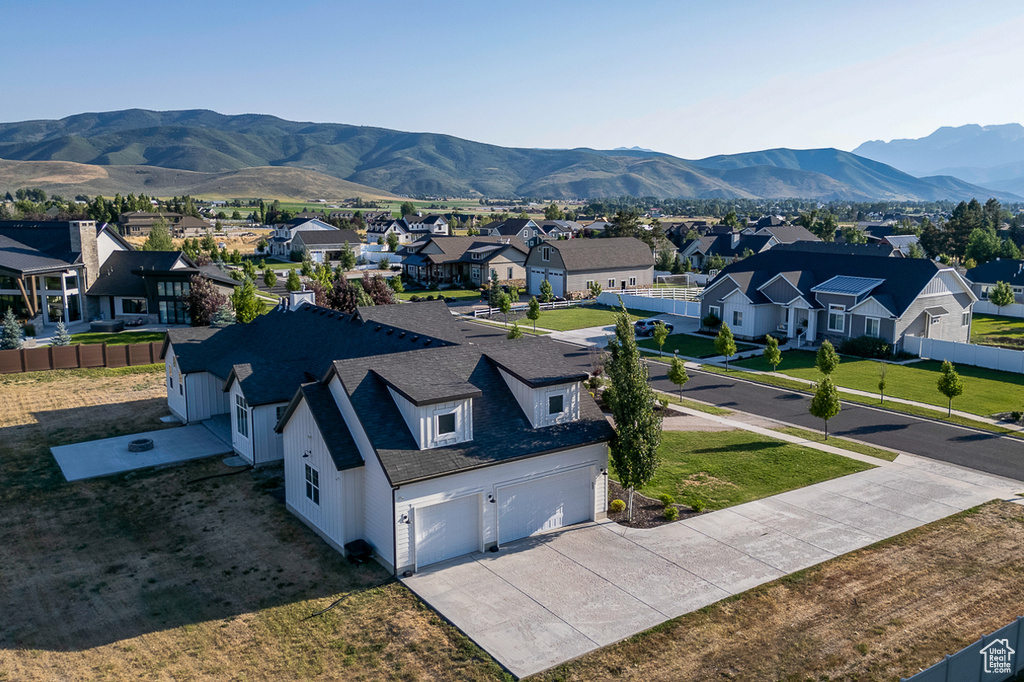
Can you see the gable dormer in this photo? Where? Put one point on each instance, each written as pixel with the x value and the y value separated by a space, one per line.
pixel 437 406
pixel 548 395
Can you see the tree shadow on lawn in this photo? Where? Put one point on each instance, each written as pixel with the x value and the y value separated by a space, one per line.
pixel 94 562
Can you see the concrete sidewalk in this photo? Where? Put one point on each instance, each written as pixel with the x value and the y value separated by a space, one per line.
pixel 548 599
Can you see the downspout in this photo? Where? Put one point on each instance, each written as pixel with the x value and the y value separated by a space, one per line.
pixel 394 533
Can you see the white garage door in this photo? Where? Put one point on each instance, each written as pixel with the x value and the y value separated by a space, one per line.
pixel 544 504
pixel 557 284
pixel 447 530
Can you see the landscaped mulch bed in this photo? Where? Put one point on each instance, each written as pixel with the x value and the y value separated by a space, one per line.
pixel 647 513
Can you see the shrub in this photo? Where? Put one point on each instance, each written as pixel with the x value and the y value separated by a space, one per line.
pixel 617 506
pixel 667 500
pixel 698 506
pixel 671 513
pixel 866 347
pixel 595 382
pixel 429 297
pixel 414 298
pixel 30 330
pixel 1016 415
pixel 711 321
pixel 432 287
pixel 607 398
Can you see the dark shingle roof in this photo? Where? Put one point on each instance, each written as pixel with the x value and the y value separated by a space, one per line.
pixel 423 384
pixel 330 423
pixel 117 276
pixel 501 432
pixel 902 279
pixel 585 255
pixel 534 369
pixel 1010 271
pixel 328 237
pixel 507 228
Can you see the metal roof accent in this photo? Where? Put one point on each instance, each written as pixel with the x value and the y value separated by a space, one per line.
pixel 847 285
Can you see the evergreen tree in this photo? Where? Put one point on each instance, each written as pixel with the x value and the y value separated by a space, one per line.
pixel 634 447
pixel 827 359
pixel 825 403
pixel 246 303
pixel 950 384
pixel 159 238
pixel 396 285
pixel 725 344
pixel 595 289
pixel 677 374
pixel 392 242
pixel 546 293
pixel 10 332
pixel 772 354
pixel 515 332
pixel 293 283
pixel 347 261
pixel 533 312
pixel 61 337
pixel 269 278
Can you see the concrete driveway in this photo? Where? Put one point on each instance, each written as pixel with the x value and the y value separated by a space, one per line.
pixel 548 599
pixel 598 336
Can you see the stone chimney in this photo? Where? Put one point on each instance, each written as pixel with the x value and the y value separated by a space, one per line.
pixel 83 240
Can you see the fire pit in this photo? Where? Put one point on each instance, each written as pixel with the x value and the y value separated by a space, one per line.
pixel 140 445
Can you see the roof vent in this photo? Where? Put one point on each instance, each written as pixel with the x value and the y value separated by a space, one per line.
pixel 378 328
pixel 401 335
pixel 415 339
pixel 390 332
pixel 427 342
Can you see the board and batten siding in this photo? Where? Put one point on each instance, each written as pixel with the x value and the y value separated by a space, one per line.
pixel 175 386
pixel 534 401
pixel 205 396
pixel 338 518
pixel 378 512
pixel 486 481
pixel 242 444
pixel 268 446
pixel 421 422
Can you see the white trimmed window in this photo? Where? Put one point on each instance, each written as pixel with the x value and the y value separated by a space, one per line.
pixel 545 253
pixel 871 326
pixel 242 416
pixel 556 404
pixel 965 319
pixel 590 283
pixel 611 284
pixel 313 485
pixel 715 310
pixel 836 318
pixel 445 425
pixel 737 318
pixel 510 272
pixel 632 281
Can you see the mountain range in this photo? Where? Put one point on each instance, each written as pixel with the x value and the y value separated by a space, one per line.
pixel 127 143
pixel 988 155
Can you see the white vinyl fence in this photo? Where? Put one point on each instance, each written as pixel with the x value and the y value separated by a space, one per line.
pixel 1002 359
pixel 643 300
pixel 987 308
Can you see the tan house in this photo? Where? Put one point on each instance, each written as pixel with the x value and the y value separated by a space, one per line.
pixel 572 265
pixel 465 261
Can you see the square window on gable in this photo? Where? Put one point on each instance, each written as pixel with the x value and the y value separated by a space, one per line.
pixel 556 404
pixel 445 424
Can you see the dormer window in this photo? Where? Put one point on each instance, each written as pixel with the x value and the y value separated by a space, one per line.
pixel 445 424
pixel 556 404
pixel 545 253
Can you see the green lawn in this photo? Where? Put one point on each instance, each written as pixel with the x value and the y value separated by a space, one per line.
pixel 461 294
pixel 564 319
pixel 726 468
pixel 852 446
pixel 986 391
pixel 118 338
pixel 690 346
pixel 993 330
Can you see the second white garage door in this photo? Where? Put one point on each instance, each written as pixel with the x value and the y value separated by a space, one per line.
pixel 447 530
pixel 544 504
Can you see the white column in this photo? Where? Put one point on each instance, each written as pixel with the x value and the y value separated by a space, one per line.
pixel 64 297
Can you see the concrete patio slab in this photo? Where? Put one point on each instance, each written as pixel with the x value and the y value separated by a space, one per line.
pixel 111 456
pixel 548 599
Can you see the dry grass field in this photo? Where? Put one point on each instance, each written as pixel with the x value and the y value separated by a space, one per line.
pixel 154 576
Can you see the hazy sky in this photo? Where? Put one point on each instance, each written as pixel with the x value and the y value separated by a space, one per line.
pixel 687 78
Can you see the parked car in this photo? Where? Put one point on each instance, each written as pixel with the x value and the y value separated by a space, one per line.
pixel 646 327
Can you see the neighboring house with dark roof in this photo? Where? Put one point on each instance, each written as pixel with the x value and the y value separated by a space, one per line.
pixel 571 265
pixel 559 229
pixel 140 223
pixel 432 224
pixel 148 285
pixel 396 431
pixel 787 234
pixel 46 267
pixel 327 245
pixel 283 235
pixel 805 290
pixel 985 276
pixel 902 244
pixel 729 246
pixel 382 228
pixel 465 260
pixel 524 228
pixel 189 226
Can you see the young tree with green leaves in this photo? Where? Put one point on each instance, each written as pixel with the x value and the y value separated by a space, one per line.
pixel 677 374
pixel 246 303
pixel 553 212
pixel 825 403
pixel 159 238
pixel 504 305
pixel 660 335
pixel 950 384
pixel 407 208
pixel 634 447
pixel 533 312
pixel 293 283
pixel 1000 295
pixel 883 369
pixel 772 354
pixel 347 261
pixel 269 278
pixel 10 332
pixel 827 359
pixel 725 344
pixel 396 285
pixel 392 242
pixel 515 332
pixel 546 292
pixel 61 337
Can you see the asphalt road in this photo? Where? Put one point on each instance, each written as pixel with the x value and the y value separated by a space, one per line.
pixel 981 450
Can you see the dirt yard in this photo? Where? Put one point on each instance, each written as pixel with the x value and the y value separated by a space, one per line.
pixel 146 576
